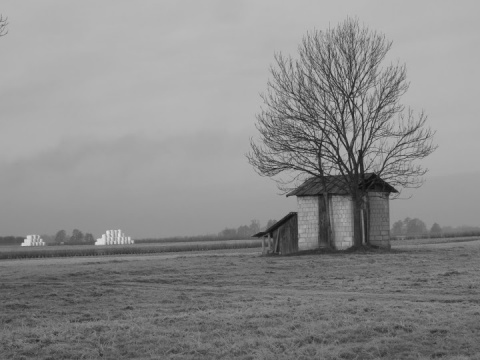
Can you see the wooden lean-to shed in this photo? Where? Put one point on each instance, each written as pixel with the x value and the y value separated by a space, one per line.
pixel 281 237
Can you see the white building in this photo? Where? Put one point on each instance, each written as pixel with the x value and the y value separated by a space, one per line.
pixel 114 237
pixel 33 240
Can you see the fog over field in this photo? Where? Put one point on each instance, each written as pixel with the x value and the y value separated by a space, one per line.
pixel 137 115
pixel 449 200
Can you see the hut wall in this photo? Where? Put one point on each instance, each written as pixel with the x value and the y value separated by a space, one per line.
pixel 341 217
pixel 308 219
pixel 379 219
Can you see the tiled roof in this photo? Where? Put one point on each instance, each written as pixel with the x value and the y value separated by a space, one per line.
pixel 335 184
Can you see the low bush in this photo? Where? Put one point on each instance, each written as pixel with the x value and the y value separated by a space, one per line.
pixel 10 240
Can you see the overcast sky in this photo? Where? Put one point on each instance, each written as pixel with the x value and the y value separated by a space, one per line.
pixel 136 115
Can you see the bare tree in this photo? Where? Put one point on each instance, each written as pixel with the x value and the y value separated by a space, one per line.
pixel 77 236
pixel 3 26
pixel 436 229
pixel 89 239
pixel 335 110
pixel 61 237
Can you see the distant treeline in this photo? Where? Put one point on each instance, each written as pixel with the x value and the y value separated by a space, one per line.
pixel 240 233
pixel 403 229
pixel 244 231
pixel 77 238
pixel 436 236
pixel 61 238
pixel 11 240
pixel 179 239
pixel 415 228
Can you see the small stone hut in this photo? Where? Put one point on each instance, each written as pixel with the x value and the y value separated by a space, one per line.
pixel 312 212
pixel 281 237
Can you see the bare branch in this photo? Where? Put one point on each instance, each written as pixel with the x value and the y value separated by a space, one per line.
pixel 337 102
pixel 3 26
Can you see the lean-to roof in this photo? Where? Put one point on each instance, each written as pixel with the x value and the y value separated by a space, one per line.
pixel 276 225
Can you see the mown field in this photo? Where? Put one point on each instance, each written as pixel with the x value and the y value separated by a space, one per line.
pixel 414 302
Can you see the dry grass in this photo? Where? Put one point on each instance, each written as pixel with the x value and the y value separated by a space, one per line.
pixel 32 252
pixel 411 303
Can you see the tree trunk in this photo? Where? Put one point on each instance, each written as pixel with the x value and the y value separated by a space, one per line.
pixel 327 220
pixel 357 220
pixel 366 219
pixel 323 223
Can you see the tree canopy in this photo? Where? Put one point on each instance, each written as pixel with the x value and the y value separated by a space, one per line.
pixel 336 110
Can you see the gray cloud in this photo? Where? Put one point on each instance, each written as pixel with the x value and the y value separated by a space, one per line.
pixel 178 186
pixel 137 115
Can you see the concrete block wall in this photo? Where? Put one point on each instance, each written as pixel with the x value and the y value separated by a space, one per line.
pixel 379 219
pixel 341 217
pixel 308 219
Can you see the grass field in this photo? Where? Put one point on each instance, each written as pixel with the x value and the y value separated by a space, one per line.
pixel 414 302
pixel 31 252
